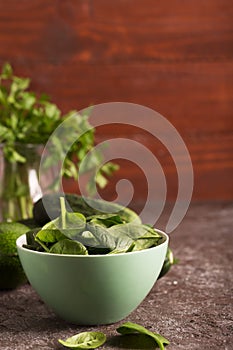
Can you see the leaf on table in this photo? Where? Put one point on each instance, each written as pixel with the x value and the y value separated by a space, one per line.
pixel 84 340
pixel 131 328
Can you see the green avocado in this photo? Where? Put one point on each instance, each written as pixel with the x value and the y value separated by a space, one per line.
pixel 11 271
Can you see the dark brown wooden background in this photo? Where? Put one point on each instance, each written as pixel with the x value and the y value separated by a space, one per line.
pixel 175 57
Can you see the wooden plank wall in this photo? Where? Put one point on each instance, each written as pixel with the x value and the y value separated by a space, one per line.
pixel 175 57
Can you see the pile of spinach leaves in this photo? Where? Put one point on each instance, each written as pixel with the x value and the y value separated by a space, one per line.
pixel 73 233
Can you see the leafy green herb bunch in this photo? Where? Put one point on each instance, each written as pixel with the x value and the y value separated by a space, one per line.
pixel 26 118
pixel 29 119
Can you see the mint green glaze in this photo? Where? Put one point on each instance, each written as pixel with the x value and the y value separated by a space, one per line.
pixel 93 289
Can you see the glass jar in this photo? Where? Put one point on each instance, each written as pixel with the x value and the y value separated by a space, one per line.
pixel 19 183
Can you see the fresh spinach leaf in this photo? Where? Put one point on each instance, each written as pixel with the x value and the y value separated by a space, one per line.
pixel 132 237
pixel 48 237
pixel 102 235
pixel 92 244
pixel 67 246
pixel 51 225
pixel 131 230
pixel 72 220
pixel 106 220
pixel 75 224
pixel 169 261
pixel 87 238
pixel 131 328
pixel 84 340
pixel 150 239
pixel 124 235
pixel 30 239
pixel 123 244
pixel 144 243
pixel 71 224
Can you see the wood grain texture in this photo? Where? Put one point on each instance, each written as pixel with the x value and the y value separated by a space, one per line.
pixel 176 58
pixel 194 97
pixel 118 31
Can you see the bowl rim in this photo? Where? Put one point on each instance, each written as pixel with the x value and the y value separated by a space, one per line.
pixel 22 239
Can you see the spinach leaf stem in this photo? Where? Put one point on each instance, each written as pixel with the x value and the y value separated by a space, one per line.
pixel 63 212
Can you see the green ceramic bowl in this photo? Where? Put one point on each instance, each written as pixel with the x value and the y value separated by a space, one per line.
pixel 93 289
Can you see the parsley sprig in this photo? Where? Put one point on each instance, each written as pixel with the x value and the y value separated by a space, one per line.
pixel 29 119
pixel 26 118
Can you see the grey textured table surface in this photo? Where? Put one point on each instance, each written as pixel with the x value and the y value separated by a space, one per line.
pixel 191 306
